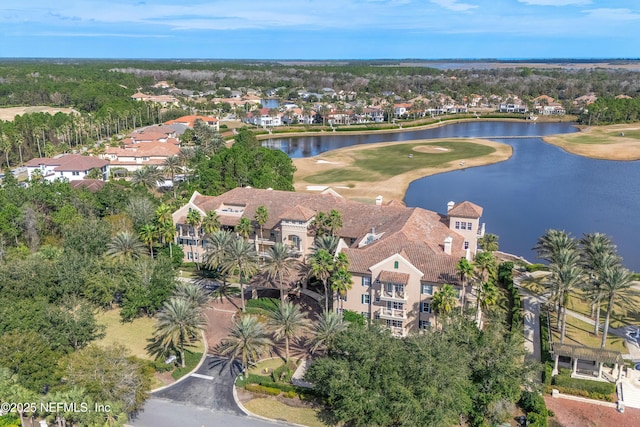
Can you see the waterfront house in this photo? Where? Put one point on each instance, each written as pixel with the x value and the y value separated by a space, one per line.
pixel 68 167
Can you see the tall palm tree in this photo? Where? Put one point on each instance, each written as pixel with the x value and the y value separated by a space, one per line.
pixel 488 242
pixel 551 242
pixel 215 250
pixel 210 222
pixel 616 281
pixel 341 283
pixel 287 321
pixel 489 295
pixel 566 275
pixel 327 327
pixel 194 294
pixel 321 267
pixel 326 242
pixel 261 217
pixel 444 301
pixel 241 257
pixel 149 177
pixel 465 270
pixel 173 165
pixel 148 235
pixel 281 260
pixel 124 247
pixel 597 253
pixel 244 227
pixel 179 323
pixel 248 339
pixel 334 222
pixel 485 265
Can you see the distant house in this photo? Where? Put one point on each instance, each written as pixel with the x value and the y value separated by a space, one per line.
pixel 135 156
pixel 515 106
pixel 164 100
pixel 264 119
pixel 189 121
pixel 70 167
pixel 400 110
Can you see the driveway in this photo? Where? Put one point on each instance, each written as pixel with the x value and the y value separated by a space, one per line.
pixel 205 398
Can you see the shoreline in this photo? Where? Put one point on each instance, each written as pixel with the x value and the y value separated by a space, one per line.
pixel 619 142
pixel 391 188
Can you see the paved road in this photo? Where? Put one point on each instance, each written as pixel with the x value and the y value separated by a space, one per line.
pixel 203 399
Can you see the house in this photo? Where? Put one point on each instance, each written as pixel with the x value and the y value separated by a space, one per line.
pixel 135 156
pixel 398 256
pixel 189 121
pixel 401 110
pixel 164 100
pixel 513 105
pixel 264 119
pixel 70 167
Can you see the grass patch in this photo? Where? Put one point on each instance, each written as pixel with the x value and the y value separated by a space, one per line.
pixel 270 364
pixel 131 335
pixel 623 314
pixel 277 410
pixel 397 159
pixel 579 332
pixel 191 360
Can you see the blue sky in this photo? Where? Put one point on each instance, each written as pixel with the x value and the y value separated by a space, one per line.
pixel 320 29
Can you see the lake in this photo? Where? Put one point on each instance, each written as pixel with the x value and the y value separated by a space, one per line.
pixel 540 187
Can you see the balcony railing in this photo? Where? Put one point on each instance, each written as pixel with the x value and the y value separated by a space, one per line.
pixel 386 295
pixel 398 331
pixel 393 314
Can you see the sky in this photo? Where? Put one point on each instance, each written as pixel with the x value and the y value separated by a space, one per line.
pixel 320 29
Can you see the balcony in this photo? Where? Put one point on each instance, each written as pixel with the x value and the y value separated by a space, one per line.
pixel 394 296
pixel 392 314
pixel 398 331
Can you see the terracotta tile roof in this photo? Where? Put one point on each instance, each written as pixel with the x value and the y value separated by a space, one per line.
pixel 191 120
pixel 69 162
pixel 394 277
pixel 298 213
pixel 466 210
pixel 92 185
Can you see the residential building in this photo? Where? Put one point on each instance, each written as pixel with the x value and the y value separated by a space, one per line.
pixel 70 167
pixel 189 121
pixel 398 256
pixel 164 100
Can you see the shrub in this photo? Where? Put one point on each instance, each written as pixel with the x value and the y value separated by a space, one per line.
pixel 354 319
pixel 260 305
pixel 547 374
pixel 536 267
pixel 284 373
pixel 535 407
pixel 256 388
pixel 291 394
pixel 585 388
pixel 160 366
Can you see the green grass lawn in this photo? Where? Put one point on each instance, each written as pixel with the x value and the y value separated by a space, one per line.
pixel 274 409
pixel 579 332
pixel 392 160
pixel 623 314
pixel 270 364
pixel 132 335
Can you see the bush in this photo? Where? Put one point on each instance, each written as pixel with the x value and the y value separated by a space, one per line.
pixel 536 267
pixel 260 305
pixel 160 366
pixel 284 373
pixel 585 388
pixel 256 388
pixel 547 374
pixel 354 319
pixel 291 394
pixel 535 407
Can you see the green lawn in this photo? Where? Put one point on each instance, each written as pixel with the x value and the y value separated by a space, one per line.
pixel 579 332
pixel 132 335
pixel 623 314
pixel 270 364
pixel 392 160
pixel 274 409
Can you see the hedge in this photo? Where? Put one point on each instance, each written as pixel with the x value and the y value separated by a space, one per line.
pixel 256 388
pixel 535 407
pixel 585 388
pixel 536 267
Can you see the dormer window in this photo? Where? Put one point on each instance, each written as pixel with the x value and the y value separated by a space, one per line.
pixel 395 264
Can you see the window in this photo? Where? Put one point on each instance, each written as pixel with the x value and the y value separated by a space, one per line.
pixel 466 244
pixel 377 298
pixel 424 324
pixel 189 255
pixel 426 289
pixel 463 225
pixel 395 264
pixel 365 314
pixel 457 225
pixel 469 226
pixel 395 305
pixel 75 173
pixel 365 299
pixel 394 323
pixel 425 307
pixel 343 297
pixel 376 315
pixel 366 280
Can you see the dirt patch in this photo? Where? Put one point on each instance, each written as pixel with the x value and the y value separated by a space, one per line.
pixel 430 149
pixel 569 413
pixel 10 113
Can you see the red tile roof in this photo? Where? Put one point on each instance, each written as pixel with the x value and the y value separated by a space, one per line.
pixel 466 210
pixel 69 163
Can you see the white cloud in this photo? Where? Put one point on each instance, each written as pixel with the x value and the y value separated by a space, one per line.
pixel 454 5
pixel 555 2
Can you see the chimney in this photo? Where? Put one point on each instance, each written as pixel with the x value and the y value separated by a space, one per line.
pixel 373 231
pixel 447 245
pixel 450 206
pixel 379 200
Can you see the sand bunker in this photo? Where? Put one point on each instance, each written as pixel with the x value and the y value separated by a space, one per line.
pixel 326 161
pixel 429 149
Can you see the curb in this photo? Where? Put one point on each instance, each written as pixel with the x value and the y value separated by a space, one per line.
pixel 188 374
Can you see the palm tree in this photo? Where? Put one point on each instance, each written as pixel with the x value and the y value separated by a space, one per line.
pixel 616 281
pixel 488 295
pixel 149 177
pixel 488 242
pixel 326 242
pixel 597 253
pixel 341 283
pixel 248 340
pixel 321 267
pixel 194 294
pixel 327 327
pixel 194 220
pixel 179 322
pixel 281 260
pixel 244 227
pixel 173 165
pixel 319 224
pixel 485 263
pixel 148 235
pixel 210 222
pixel 550 243
pixel 241 257
pixel 215 250
pixel 444 301
pixel 261 217
pixel 286 321
pixel 334 222
pixel 566 275
pixel 465 270
pixel 124 247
